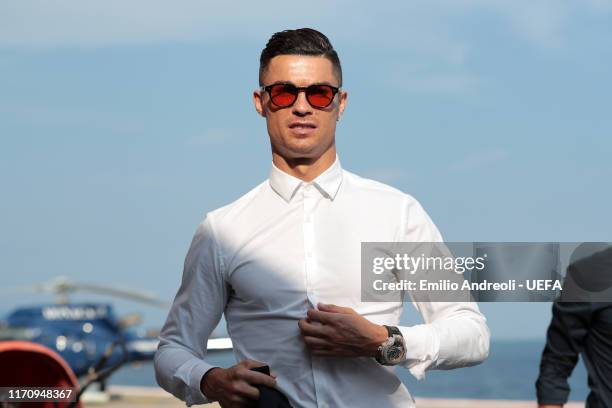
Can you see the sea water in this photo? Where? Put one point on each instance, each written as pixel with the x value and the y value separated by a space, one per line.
pixel 510 372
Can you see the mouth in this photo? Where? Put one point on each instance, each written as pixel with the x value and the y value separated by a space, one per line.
pixel 302 128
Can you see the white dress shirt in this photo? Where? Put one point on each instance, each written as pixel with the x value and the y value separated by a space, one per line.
pixel 269 256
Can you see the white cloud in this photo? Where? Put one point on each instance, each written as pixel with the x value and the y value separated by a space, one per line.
pixel 425 26
pixel 430 32
pixel 52 23
pixel 601 6
pixel 544 23
pixel 541 23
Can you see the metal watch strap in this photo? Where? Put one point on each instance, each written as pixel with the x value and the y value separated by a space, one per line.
pixel 391 330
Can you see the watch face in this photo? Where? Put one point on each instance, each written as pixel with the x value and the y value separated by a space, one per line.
pixel 394 353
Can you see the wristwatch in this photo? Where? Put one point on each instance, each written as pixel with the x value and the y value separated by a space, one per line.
pixel 393 350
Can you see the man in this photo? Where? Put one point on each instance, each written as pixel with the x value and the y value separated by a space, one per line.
pixel 283 263
pixel 580 328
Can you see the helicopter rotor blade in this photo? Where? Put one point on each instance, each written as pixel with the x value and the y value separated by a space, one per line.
pixel 49 287
pixel 62 286
pixel 139 296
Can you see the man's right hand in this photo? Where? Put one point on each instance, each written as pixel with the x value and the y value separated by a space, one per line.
pixel 234 386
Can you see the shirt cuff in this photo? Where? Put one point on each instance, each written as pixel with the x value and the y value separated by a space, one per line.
pixel 191 373
pixel 422 348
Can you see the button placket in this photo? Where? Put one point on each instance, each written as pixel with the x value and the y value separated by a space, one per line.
pixel 310 200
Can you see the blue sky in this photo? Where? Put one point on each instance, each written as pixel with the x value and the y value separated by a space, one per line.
pixel 122 123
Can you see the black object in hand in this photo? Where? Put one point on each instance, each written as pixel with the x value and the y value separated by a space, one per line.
pixel 269 397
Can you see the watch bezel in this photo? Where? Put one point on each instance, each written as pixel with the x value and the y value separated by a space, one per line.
pixel 394 342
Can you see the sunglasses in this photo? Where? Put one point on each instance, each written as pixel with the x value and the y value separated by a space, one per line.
pixel 317 95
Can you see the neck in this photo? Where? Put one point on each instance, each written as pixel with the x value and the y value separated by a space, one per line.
pixel 305 168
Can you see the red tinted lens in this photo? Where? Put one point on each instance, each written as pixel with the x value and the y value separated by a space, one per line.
pixel 320 96
pixel 283 95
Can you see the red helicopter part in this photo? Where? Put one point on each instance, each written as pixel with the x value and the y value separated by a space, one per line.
pixel 27 364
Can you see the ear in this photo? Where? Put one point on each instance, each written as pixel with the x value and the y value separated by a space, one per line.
pixel 342 100
pixel 258 102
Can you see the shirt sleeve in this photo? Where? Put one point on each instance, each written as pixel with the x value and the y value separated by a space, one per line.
pixel 454 334
pixel 197 308
pixel 564 342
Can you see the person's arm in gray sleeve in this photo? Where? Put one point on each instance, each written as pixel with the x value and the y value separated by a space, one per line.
pixel 196 311
pixel 564 341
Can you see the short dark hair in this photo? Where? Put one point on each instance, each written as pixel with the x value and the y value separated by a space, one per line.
pixel 303 41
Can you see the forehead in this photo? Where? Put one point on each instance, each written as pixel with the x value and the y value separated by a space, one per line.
pixel 300 70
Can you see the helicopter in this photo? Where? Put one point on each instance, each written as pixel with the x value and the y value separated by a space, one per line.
pixel 89 336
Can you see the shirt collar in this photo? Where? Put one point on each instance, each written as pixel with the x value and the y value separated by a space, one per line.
pixel 327 182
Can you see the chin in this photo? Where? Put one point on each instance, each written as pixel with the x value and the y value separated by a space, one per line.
pixel 302 154
pixel 300 151
pixel 302 146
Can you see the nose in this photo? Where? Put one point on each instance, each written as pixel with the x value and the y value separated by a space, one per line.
pixel 302 107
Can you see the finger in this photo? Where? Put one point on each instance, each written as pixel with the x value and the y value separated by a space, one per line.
pixel 331 308
pixel 309 320
pixel 255 378
pixel 313 329
pixel 243 389
pixel 316 343
pixel 320 316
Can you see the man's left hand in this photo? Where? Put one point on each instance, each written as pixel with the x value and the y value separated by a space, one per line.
pixel 341 331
